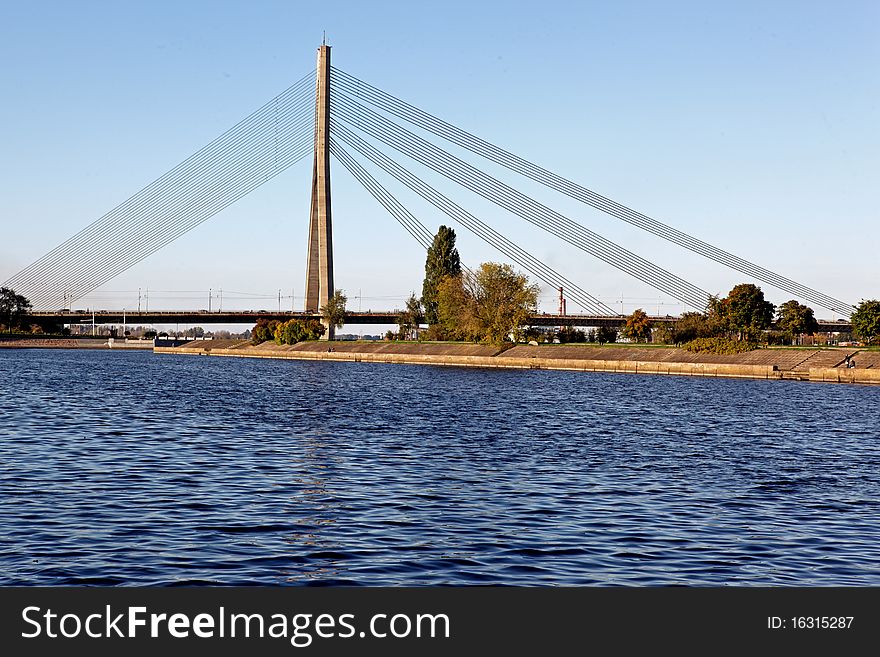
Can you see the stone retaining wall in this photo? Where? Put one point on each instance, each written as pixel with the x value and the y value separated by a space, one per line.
pixel 761 364
pixel 843 375
pixel 500 361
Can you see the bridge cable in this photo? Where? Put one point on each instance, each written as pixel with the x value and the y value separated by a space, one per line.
pixel 469 221
pixel 516 202
pixel 61 256
pixel 176 172
pixel 163 232
pixel 485 149
pixel 79 283
pixel 651 281
pixel 474 225
pixel 154 230
pixel 554 279
pixel 190 215
pixel 196 160
pixel 121 232
pixel 473 178
pixel 112 236
pixel 380 193
pixel 410 223
pixel 209 208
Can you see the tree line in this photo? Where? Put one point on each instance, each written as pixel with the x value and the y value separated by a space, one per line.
pixel 744 316
pixel 493 304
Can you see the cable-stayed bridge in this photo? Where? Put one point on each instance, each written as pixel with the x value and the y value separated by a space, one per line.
pixel 331 112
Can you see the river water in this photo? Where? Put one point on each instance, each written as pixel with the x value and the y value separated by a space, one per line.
pixel 142 469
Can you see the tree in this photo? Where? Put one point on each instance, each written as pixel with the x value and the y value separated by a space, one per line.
pixel 570 334
pixel 297 330
pixel 866 321
pixel 7 303
pixel 442 261
pixel 663 334
pixel 455 309
pixel 606 334
pixel 491 304
pixel 638 326
pixel 264 330
pixel 745 311
pixel 692 325
pixel 408 321
pixel 12 308
pixel 333 311
pixel 796 319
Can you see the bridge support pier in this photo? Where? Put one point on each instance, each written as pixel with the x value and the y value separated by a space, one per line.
pixel 319 267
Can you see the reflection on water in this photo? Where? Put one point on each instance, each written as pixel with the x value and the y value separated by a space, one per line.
pixel 314 505
pixel 131 468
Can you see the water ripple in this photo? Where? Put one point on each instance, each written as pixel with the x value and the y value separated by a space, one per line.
pixel 136 469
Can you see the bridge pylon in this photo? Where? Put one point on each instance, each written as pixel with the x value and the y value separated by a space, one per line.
pixel 319 263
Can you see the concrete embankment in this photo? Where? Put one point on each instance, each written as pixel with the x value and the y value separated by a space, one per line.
pixel 842 375
pixel 805 365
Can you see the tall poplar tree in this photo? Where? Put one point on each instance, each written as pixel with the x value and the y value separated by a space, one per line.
pixel 442 261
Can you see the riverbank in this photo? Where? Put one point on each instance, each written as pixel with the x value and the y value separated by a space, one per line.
pixel 825 365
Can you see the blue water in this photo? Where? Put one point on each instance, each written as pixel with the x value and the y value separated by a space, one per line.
pixel 141 469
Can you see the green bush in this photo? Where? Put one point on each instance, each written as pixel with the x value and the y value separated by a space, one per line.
pixel 264 330
pixel 295 330
pixel 719 346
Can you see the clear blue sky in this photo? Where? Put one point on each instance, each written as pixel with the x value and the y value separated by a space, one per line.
pixel 752 125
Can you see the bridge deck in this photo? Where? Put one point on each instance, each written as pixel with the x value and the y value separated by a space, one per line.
pixel 201 317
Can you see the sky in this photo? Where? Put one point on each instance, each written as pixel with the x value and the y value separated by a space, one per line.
pixel 750 125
